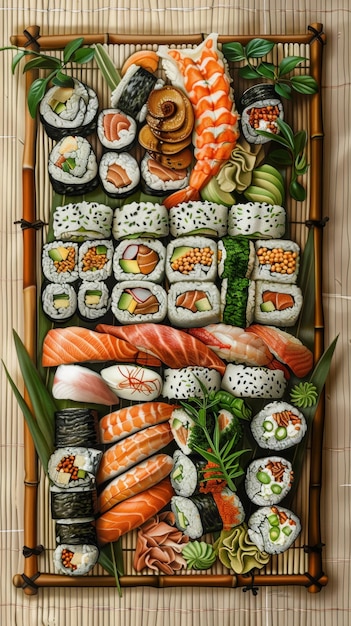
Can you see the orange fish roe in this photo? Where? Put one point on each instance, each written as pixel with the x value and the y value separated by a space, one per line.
pixel 212 485
pixel 229 512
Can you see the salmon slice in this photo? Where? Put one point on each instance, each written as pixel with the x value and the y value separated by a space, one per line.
pixel 128 420
pixel 148 307
pixel 188 299
pixel 147 259
pixel 113 123
pixel 117 175
pixel 163 172
pixel 133 512
pixel 284 301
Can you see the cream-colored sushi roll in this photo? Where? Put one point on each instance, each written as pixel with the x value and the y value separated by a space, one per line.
pixel 82 221
pixel 198 218
pixel 75 560
pixel 73 168
pixel 93 299
pixel 193 304
pixel 95 260
pixel 159 179
pixel 60 262
pixel 69 110
pixel 276 260
pixel 253 382
pixel 277 304
pixel 59 301
pixel 134 302
pixel 72 466
pixel 191 258
pixel 140 259
pixel 116 130
pixel 268 480
pixel 140 219
pixel 119 174
pixel 273 529
pixel 257 219
pixel 183 383
pixel 279 425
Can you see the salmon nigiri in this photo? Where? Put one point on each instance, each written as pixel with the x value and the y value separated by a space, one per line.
pixel 130 419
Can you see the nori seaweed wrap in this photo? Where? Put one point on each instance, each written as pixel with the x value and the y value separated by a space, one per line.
pixel 76 531
pixel 131 94
pixel 196 515
pixel 73 503
pixel 76 427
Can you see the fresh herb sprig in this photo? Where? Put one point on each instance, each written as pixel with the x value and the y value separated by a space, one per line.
pixel 279 75
pixel 74 52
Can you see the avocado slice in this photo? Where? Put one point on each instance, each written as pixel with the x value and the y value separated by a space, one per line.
pixel 58 254
pixel 267 307
pixel 203 305
pixel 127 302
pixel 179 252
pixel 130 266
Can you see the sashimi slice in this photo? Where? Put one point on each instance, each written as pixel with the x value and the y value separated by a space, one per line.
pixel 80 384
pixel 285 347
pixel 126 421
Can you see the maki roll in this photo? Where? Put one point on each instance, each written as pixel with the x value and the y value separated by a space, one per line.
pixel 75 560
pixel 277 304
pixel 73 503
pixel 116 130
pixel 193 304
pixel 76 427
pixel 134 302
pixel 59 301
pixel 182 427
pixel 141 259
pixel 253 382
pixel 236 256
pixel 186 474
pixel 260 108
pixel 268 480
pixel 278 426
pixel 59 262
pixel 82 221
pixel 276 260
pixel 95 260
pixel 76 531
pixel 72 467
pixel 257 219
pixel 159 179
pixel 140 219
pixel 69 110
pixel 132 92
pixel 183 383
pixel 191 258
pixel 273 529
pixel 197 515
pixel 93 299
pixel 237 301
pixel 119 174
pixel 198 218
pixel 73 168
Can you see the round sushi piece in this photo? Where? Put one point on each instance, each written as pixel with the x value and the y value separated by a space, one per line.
pixel 236 256
pixel 183 383
pixel 76 531
pixel 193 304
pixel 134 302
pixel 191 258
pixel 141 259
pixel 132 92
pixel 116 130
pixel 278 426
pixel 75 560
pixel 59 301
pixel 253 382
pixel 182 426
pixel 277 304
pixel 59 262
pixel 276 260
pixel 72 466
pixel 93 299
pixel 73 503
pixel 273 529
pixel 73 168
pixel 257 219
pixel 140 219
pixel 197 515
pixel 159 179
pixel 253 104
pixel 76 427
pixel 186 473
pixel 237 301
pixel 95 260
pixel 133 382
pixel 69 110
pixel 198 218
pixel 229 507
pixel 82 221
pixel 268 480
pixel 119 174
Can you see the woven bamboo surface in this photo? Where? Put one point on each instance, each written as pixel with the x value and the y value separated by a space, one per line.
pixel 186 605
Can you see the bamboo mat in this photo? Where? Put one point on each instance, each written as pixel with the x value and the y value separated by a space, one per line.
pixel 144 606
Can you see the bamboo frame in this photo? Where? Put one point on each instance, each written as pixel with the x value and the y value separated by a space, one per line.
pixel 314 579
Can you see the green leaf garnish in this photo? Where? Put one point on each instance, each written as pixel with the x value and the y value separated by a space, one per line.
pixel 257 48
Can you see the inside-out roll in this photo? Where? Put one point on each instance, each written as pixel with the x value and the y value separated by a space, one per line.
pixel 133 302
pixel 191 258
pixel 193 304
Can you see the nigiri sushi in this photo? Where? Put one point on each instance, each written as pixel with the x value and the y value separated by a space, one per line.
pixel 80 384
pixel 128 420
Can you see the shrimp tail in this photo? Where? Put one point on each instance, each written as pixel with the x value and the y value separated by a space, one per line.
pixel 189 194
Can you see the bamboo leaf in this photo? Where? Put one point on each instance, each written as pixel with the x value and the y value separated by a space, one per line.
pixel 287 132
pixel 62 80
pixel 297 191
pixel 71 47
pixel 257 48
pixel 207 455
pixel 280 157
pixel 277 138
pixel 288 64
pixel 16 60
pixel 234 51
pixel 107 67
pixel 300 141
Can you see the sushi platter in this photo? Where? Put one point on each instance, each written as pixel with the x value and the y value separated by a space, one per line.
pixel 172 233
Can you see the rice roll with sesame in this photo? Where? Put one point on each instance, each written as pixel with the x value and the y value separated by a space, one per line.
pixel 159 179
pixel 273 529
pixel 119 174
pixel 236 256
pixel 276 260
pixel 73 168
pixel 72 466
pixel 73 503
pixel 183 383
pixel 140 259
pixel 237 301
pixel 134 302
pixel 59 301
pixel 279 425
pixel 268 480
pixel 191 258
pixel 244 381
pixel 257 219
pixel 75 560
pixel 116 130
pixel 198 218
pixel 59 261
pixel 70 110
pixel 140 219
pixel 95 260
pixel 277 304
pixel 82 221
pixel 193 304
pixel 93 300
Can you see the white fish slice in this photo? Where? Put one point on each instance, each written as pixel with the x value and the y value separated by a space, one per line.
pixel 74 382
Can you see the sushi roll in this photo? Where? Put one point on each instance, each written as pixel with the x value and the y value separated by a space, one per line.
pixel 75 560
pixel 198 218
pixel 182 427
pixel 132 92
pixel 72 467
pixel 230 508
pixel 93 299
pixel 82 221
pixel 193 304
pixel 134 302
pixel 76 427
pixel 76 531
pixel 119 174
pixel 191 258
pixel 140 219
pixel 116 130
pixel 236 256
pixel 133 382
pixel 95 260
pixel 276 260
pixel 268 480
pixel 273 529
pixel 237 301
pixel 253 382
pixel 257 220
pixel 59 301
pixel 141 259
pixel 254 114
pixel 186 473
pixel 197 515
pixel 73 503
pixel 183 383
pixel 73 168
pixel 69 110
pixel 59 262
pixel 158 179
pixel 277 304
pixel 278 426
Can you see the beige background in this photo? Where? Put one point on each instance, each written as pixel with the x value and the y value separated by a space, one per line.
pixel 145 606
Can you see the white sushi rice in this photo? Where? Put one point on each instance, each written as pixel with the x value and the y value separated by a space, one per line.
pixel 286 317
pixel 261 483
pixel 86 167
pixel 80 108
pixel 200 271
pixel 140 219
pixel 84 557
pixel 95 274
pixel 48 264
pixel 185 509
pixel 184 477
pixel 264 272
pixel 127 317
pixel 186 318
pixel 198 218
pixel 180 384
pixel 181 425
pixel 260 529
pixel 268 433
pixel 125 161
pixel 126 136
pixel 54 291
pixel 93 310
pixel 82 221
pixel 257 219
pixel 122 249
pixel 253 382
pixel 156 183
